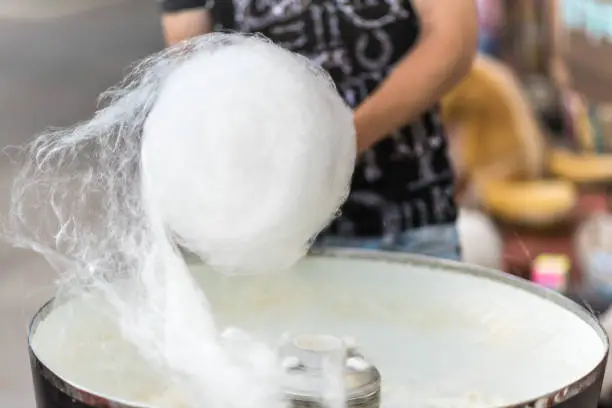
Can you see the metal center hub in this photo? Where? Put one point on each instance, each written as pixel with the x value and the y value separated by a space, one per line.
pixel 318 343
pixel 315 363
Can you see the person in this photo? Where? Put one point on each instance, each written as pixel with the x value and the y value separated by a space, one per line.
pixel 491 16
pixel 391 60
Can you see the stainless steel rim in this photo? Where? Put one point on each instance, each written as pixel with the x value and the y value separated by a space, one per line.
pixel 72 390
pixel 555 397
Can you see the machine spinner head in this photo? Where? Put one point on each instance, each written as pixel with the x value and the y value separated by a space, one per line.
pixel 315 362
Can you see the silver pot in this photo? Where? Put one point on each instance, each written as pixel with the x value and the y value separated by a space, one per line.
pixel 430 328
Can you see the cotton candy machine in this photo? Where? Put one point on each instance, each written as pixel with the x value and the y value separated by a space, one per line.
pixel 412 332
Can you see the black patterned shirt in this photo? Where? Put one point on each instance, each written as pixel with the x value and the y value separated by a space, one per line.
pixel 403 182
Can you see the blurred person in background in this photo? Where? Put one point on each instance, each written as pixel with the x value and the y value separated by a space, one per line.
pixel 391 60
pixel 491 18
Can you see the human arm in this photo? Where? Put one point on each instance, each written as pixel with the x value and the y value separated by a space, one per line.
pixel 184 19
pixel 442 57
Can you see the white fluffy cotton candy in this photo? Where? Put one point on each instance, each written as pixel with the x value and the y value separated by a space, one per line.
pixel 247 154
pixel 236 148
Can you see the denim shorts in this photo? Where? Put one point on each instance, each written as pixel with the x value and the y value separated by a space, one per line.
pixel 439 241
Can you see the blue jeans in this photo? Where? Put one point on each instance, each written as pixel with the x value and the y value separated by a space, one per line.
pixel 488 45
pixel 439 241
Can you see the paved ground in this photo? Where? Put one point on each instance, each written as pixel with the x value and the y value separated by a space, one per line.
pixel 56 56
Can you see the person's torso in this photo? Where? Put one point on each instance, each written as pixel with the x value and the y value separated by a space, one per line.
pixel 403 182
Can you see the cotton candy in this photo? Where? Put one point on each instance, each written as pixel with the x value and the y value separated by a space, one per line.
pixel 227 145
pixel 247 154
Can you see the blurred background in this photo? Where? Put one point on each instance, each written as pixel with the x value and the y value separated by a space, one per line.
pixel 56 56
pixel 531 131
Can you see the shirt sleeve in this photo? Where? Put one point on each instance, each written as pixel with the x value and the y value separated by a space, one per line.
pixel 169 6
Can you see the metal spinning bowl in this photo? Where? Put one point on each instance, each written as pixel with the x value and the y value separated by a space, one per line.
pixel 438 333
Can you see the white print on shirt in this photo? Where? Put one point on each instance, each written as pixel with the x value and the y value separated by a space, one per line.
pixel 394 12
pixel 364 61
pixel 389 212
pixel 402 149
pixel 372 171
pixel 424 153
